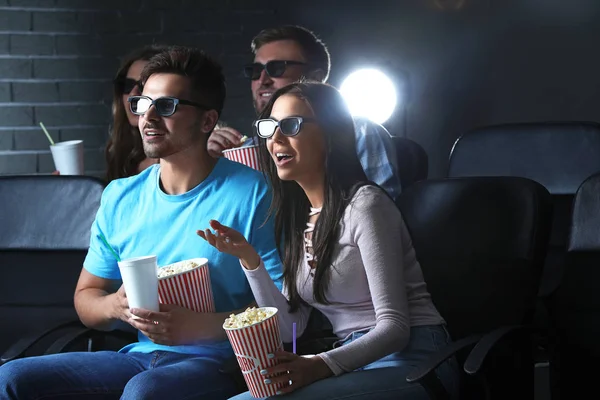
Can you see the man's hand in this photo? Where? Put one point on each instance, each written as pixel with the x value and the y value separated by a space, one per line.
pixel 100 303
pixel 222 139
pixel 173 325
pixel 120 305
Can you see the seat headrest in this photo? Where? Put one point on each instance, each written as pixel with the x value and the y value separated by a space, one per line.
pixel 48 212
pixel 462 218
pixel 585 223
pixel 560 156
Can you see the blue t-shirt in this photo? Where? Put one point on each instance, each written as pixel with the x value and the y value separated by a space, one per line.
pixel 139 219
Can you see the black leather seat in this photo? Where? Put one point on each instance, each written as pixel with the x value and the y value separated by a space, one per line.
pixel 481 243
pixel 560 156
pixel 413 163
pixel 46 223
pixel 578 300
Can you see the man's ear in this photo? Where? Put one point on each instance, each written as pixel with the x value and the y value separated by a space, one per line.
pixel 315 75
pixel 211 117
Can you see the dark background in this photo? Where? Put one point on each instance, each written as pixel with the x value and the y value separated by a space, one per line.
pixel 458 64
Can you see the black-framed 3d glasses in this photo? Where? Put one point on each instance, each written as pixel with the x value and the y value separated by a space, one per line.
pixel 274 69
pixel 165 106
pixel 126 85
pixel 265 128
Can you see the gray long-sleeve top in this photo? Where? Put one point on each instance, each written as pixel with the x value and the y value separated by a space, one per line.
pixel 376 283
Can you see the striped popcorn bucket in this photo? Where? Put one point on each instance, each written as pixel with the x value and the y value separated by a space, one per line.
pixel 190 289
pixel 251 345
pixel 244 155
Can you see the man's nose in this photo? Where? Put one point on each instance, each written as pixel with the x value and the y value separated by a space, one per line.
pixel 265 79
pixel 151 114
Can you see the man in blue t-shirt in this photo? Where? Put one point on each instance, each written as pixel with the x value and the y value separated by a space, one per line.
pixel 179 352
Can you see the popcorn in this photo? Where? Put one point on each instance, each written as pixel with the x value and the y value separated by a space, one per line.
pixel 251 316
pixel 243 139
pixel 176 268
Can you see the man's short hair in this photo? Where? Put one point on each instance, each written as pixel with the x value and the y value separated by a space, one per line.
pixel 314 50
pixel 207 82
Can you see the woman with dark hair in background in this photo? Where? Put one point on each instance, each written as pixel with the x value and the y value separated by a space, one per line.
pixel 346 252
pixel 124 152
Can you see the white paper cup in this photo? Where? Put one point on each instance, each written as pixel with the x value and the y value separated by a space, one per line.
pixel 141 282
pixel 247 155
pixel 68 157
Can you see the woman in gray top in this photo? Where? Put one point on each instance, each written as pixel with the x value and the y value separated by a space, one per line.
pixel 346 252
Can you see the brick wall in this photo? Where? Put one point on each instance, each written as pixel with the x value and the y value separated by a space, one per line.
pixel 58 57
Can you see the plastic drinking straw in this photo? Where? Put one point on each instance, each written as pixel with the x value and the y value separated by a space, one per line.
pixel 47 134
pixel 294 338
pixel 110 247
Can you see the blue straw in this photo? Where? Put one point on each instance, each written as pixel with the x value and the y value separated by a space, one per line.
pixel 294 337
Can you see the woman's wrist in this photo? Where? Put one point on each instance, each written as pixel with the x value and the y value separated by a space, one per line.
pixel 251 261
pixel 321 368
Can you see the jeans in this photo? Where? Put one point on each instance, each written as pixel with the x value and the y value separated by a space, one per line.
pixel 111 375
pixel 385 378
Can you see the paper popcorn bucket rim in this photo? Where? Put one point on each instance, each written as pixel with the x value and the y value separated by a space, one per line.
pixel 201 261
pixel 274 309
pixel 240 148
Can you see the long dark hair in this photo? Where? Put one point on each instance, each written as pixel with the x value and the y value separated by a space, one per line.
pixel 290 205
pixel 124 150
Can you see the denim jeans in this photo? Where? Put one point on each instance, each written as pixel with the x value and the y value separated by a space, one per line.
pixel 385 378
pixel 111 375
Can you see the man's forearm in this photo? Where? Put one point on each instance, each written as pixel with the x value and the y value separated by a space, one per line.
pixel 95 309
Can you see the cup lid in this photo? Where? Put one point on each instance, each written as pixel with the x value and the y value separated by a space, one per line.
pixel 67 143
pixel 131 262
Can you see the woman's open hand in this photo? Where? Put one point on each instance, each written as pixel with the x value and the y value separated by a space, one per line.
pixel 230 241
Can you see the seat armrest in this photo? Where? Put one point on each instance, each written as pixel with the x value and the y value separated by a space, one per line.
pixel 442 355
pixel 425 373
pixel 483 347
pixel 62 343
pixel 19 348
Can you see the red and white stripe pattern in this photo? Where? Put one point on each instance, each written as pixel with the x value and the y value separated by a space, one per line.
pixel 190 289
pixel 251 346
pixel 244 155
